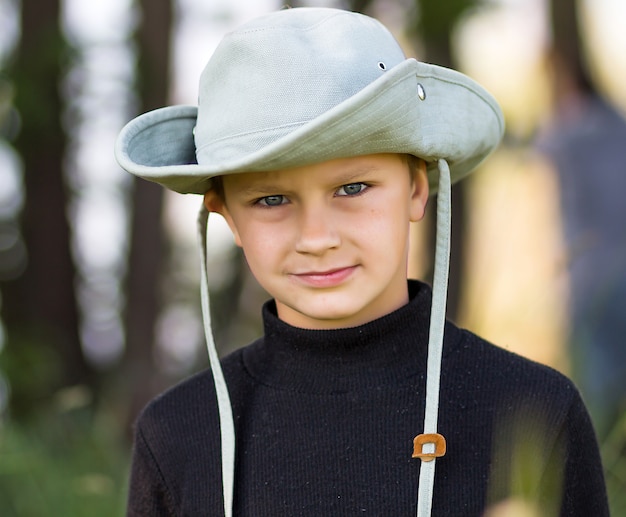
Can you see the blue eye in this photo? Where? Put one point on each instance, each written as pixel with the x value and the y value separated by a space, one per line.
pixel 272 200
pixel 351 189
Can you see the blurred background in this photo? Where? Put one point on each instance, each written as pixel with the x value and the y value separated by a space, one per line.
pixel 99 301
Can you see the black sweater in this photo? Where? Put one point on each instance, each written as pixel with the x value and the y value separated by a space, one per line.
pixel 325 422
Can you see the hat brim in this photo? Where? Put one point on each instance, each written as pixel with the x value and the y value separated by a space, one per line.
pixel 456 120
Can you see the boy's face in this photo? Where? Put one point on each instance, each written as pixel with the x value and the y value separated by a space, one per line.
pixel 328 241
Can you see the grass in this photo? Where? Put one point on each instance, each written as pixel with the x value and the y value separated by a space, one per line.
pixel 62 464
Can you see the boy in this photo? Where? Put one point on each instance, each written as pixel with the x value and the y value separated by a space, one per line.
pixel 317 140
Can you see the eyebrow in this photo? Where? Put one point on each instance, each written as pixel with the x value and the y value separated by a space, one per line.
pixel 355 173
pixel 260 190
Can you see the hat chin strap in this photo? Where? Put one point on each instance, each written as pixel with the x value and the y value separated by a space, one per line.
pixel 429 445
pixel 227 426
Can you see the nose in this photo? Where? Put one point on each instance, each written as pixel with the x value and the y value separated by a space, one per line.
pixel 317 230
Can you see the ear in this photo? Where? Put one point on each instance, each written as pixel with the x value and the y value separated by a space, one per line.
pixel 216 203
pixel 419 191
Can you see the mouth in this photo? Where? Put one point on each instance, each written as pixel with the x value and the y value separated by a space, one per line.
pixel 329 278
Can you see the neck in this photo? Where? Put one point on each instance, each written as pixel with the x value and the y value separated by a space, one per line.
pixel 379 353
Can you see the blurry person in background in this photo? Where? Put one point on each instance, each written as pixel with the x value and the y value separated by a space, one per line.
pixel 585 141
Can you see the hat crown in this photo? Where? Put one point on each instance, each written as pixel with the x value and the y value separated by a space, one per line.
pixel 275 74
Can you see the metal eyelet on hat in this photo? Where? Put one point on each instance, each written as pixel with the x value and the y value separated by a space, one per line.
pixel 382 66
pixel 421 93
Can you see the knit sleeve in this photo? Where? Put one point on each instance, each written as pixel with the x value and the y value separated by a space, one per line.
pixel 584 491
pixel 148 493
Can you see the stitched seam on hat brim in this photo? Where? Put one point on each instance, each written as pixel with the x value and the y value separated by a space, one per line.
pixel 230 138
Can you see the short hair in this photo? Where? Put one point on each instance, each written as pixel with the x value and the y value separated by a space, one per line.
pixel 217 186
pixel 413 162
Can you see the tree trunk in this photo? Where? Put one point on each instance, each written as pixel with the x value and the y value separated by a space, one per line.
pixel 567 51
pixel 39 306
pixel 147 246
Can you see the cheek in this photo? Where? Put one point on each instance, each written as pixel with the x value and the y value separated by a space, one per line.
pixel 262 245
pixel 388 226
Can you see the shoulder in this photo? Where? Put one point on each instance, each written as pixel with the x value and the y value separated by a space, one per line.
pixel 498 376
pixel 191 401
pixel 177 437
pixel 496 360
pixel 536 418
pixel 178 418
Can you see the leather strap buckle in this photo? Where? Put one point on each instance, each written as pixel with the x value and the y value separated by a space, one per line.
pixel 433 438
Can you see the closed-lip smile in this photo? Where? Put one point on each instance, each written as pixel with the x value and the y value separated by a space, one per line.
pixel 328 278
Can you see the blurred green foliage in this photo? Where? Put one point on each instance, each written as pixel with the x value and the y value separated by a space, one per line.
pixel 613 449
pixel 69 461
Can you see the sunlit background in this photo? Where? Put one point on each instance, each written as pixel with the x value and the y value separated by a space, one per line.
pixel 515 279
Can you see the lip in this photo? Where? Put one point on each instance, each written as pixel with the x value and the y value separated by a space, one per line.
pixel 330 278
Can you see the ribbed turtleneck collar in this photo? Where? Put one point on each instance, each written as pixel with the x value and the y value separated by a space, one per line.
pixel 385 352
